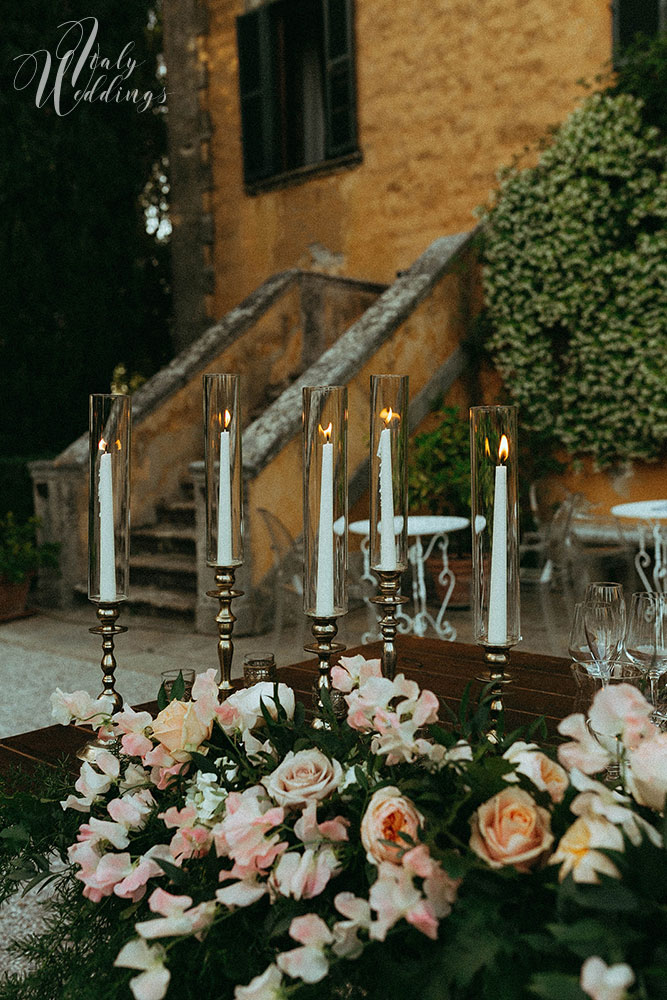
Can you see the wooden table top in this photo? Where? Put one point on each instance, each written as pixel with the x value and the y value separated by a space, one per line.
pixel 541 686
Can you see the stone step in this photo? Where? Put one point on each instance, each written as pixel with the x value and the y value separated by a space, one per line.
pixel 164 570
pixel 164 538
pixel 149 600
pixel 177 512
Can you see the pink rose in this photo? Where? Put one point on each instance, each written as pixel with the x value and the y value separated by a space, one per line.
pixel 388 816
pixel 511 829
pixel 178 727
pixel 303 777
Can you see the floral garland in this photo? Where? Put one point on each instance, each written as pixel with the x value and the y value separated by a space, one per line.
pixel 388 835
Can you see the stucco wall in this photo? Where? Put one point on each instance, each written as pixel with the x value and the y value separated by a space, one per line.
pixel 448 91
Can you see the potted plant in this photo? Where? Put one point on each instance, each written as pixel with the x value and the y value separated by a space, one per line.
pixel 439 483
pixel 20 558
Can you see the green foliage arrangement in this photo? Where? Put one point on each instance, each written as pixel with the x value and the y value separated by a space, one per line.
pixel 20 554
pixel 575 275
pixel 439 469
pixel 235 851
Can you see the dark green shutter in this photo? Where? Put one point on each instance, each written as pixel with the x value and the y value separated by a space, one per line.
pixel 632 18
pixel 340 98
pixel 253 32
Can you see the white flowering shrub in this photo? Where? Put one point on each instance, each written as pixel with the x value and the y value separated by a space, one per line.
pixel 575 274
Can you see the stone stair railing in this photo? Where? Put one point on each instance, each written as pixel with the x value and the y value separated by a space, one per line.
pixel 417 326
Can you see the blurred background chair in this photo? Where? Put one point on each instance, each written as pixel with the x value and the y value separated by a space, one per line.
pixel 287 575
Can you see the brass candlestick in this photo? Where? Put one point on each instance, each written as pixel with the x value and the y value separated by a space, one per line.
pixel 225 593
pixel 107 615
pixel 324 632
pixel 389 600
pixel 497 658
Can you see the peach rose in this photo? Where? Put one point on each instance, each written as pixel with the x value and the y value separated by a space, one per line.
pixel 303 777
pixel 544 773
pixel 388 815
pixel 511 829
pixel 178 727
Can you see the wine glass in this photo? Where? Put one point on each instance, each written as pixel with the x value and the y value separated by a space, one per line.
pixel 578 648
pixel 646 637
pixel 607 592
pixel 604 625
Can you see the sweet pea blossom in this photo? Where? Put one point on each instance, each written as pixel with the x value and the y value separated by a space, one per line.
pixel 178 917
pixel 153 982
pixel 605 982
pixel 584 752
pixel 247 834
pixel 310 831
pixel 242 710
pixel 81 708
pixel 597 799
pixel 192 840
pixel 353 671
pixel 577 851
pixel 241 892
pixel 357 912
pixel 647 773
pixel 544 773
pixel 304 875
pixel 132 728
pixel 308 962
pixel 267 986
pixel 621 710
pixel 394 896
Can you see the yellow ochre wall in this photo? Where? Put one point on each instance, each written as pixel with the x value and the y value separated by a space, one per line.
pixel 447 92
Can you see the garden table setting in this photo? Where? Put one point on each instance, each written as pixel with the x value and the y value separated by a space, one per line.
pixel 407 818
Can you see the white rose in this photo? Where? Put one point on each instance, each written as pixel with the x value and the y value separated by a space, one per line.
pixel 303 777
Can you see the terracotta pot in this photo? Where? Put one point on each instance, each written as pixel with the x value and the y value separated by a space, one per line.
pixel 461 567
pixel 13 599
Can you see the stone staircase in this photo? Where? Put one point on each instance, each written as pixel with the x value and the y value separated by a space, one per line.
pixel 163 568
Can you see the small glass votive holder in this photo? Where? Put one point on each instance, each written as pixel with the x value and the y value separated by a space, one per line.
pixel 169 678
pixel 258 667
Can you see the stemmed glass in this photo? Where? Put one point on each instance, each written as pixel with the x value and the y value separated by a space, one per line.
pixel 604 624
pixel 578 647
pixel 646 638
pixel 605 628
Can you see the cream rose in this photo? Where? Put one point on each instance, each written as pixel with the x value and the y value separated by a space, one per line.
pixel 388 815
pixel 511 829
pixel 544 773
pixel 177 727
pixel 303 777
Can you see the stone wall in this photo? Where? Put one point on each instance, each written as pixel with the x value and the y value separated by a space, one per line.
pixel 447 92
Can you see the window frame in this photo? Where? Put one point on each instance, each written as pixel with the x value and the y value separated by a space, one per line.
pixel 260 109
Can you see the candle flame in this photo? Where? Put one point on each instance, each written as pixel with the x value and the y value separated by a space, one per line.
pixel 118 444
pixel 326 431
pixel 103 445
pixel 503 449
pixel 388 415
pixel 228 418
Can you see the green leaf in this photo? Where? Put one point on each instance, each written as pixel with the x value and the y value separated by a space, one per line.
pixel 162 700
pixel 176 874
pixel 16 833
pixel 555 986
pixel 177 688
pixel 203 763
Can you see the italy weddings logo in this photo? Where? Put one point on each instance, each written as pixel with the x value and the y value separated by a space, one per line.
pixel 77 72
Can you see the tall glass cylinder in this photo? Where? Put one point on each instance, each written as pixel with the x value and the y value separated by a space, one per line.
pixel 325 501
pixel 223 470
pixel 389 472
pixel 495 525
pixel 109 498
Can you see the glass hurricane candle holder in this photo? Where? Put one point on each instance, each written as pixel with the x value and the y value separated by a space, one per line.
pixel 325 501
pixel 495 525
pixel 325 531
pixel 389 473
pixel 109 506
pixel 223 470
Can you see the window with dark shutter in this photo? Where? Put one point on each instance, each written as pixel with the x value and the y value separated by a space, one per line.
pixel 636 17
pixel 297 88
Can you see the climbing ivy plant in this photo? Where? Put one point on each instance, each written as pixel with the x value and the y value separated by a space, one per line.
pixel 575 275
